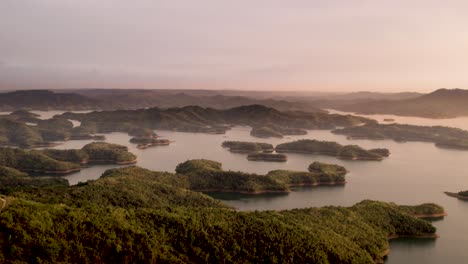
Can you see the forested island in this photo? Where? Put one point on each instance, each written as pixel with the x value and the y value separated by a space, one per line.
pixel 277 157
pixel 276 131
pixel 247 147
pixel 14 131
pixel 208 176
pixel 351 152
pixel 462 195
pixel 54 161
pixel 446 137
pixel 208 120
pixel 135 215
pixel 319 174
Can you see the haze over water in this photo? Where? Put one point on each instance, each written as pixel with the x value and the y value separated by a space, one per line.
pixel 415 173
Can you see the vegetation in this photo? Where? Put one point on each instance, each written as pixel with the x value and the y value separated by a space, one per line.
pixel 53 161
pixel 267 157
pixel 442 136
pixel 327 169
pixel 13 180
pixel 145 142
pixel 107 152
pixel 208 120
pixel 381 151
pixel 352 152
pixel 132 215
pixel 207 175
pixel 265 132
pixel 355 152
pixel 34 161
pixel 422 210
pixel 247 147
pixel 300 178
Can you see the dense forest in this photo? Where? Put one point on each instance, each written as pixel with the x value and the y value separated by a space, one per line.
pixel 352 152
pixel 132 215
pixel 208 120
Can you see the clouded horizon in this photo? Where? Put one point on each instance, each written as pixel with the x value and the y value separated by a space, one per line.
pixel 323 45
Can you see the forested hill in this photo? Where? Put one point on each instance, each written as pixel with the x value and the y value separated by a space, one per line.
pixel 139 216
pixel 209 120
pixel 442 103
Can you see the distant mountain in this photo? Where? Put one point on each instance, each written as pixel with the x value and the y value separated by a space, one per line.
pixel 442 103
pixel 338 101
pixel 138 98
pixel 111 99
pixel 45 100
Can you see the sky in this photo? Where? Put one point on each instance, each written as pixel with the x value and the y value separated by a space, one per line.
pixel 308 45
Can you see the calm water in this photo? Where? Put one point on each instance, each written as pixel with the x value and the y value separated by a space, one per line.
pixel 414 173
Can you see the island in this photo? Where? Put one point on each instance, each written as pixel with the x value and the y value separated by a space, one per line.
pixel 445 137
pixel 14 131
pixel 349 152
pixel 275 131
pixel 60 162
pixel 247 147
pixel 426 210
pixel 208 176
pixel 260 156
pixel 137 215
pixel 319 174
pixel 265 132
pixel 462 195
pixel 326 169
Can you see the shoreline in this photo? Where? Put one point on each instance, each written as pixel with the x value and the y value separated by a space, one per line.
pixel 241 192
pixel 438 215
pixel 334 183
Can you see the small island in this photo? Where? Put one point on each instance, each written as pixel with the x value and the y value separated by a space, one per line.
pixel 275 131
pixel 349 152
pixel 208 176
pixel 327 169
pixel 426 210
pixel 462 195
pixel 319 174
pixel 259 156
pixel 247 147
pixel 265 132
pixel 60 162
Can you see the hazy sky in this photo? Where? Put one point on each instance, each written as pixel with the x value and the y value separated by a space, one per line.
pixel 347 45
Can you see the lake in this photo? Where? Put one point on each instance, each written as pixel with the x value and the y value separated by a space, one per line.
pixel 415 172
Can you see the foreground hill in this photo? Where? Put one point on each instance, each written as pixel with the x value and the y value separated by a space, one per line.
pixel 137 218
pixel 443 103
